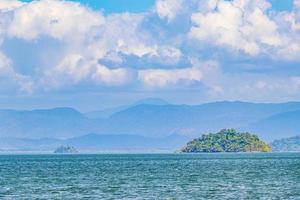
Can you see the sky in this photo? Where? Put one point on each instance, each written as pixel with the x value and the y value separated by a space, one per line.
pixel 95 54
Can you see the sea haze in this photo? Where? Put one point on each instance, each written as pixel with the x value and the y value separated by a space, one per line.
pixel 145 125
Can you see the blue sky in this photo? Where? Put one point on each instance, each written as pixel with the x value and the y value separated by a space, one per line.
pixel 113 6
pixel 116 6
pixel 96 54
pixel 282 4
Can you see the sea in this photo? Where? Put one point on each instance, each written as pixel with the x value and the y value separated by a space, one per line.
pixel 151 176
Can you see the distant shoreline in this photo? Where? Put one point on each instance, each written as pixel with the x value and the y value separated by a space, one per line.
pixel 139 153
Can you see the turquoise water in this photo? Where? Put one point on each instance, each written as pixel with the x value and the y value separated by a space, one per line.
pixel 154 176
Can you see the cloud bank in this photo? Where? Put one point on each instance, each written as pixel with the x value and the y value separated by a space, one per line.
pixel 239 49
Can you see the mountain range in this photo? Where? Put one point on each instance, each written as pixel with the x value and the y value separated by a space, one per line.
pixel 106 113
pixel 291 144
pixel 153 119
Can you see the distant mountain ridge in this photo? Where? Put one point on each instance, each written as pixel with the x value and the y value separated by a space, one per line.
pixel 53 123
pixel 269 121
pixel 285 124
pixel 161 120
pixel 106 113
pixel 287 144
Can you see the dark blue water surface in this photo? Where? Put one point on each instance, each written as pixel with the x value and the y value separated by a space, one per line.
pixel 151 176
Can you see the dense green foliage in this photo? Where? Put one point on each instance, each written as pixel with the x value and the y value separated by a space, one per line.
pixel 287 144
pixel 227 140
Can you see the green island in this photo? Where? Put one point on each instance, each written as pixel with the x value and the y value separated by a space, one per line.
pixel 227 140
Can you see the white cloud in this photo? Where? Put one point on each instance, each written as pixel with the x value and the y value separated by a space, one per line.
pixel 88 36
pixel 24 83
pixel 123 30
pixel 289 52
pixel 75 69
pixel 207 6
pixel 7 5
pixel 261 29
pixel 289 26
pixel 58 19
pixel 5 65
pixel 161 37
pixel 297 4
pixel 168 8
pixel 138 49
pixel 120 33
pixel 211 75
pixel 168 55
pixel 159 78
pixel 241 25
pixel 115 77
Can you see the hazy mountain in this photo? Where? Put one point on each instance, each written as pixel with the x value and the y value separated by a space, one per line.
pixel 162 120
pixel 282 125
pixel 23 144
pixel 106 113
pixel 269 121
pixel 103 114
pixel 94 142
pixel 53 123
pixel 286 144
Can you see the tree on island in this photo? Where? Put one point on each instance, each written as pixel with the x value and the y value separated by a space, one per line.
pixel 227 140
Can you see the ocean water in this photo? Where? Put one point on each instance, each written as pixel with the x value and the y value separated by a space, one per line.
pixel 151 176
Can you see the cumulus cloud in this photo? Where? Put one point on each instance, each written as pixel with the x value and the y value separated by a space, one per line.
pixel 58 19
pixel 120 33
pixel 7 72
pixel 5 65
pixel 297 4
pixel 168 8
pixel 160 78
pixel 75 68
pixel 289 26
pixel 240 25
pixel 7 5
pixel 88 37
pixel 173 44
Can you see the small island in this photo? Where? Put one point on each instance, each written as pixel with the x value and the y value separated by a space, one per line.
pixel 227 140
pixel 66 150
